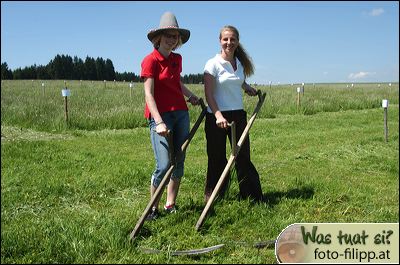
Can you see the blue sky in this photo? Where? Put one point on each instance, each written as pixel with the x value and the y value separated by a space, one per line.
pixel 289 42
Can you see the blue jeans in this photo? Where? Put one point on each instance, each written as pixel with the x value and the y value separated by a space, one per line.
pixel 178 123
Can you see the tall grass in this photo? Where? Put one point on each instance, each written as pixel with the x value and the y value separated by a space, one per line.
pixel 327 98
pixel 113 105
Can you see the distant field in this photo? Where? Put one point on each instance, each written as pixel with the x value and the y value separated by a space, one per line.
pixel 98 105
pixel 72 193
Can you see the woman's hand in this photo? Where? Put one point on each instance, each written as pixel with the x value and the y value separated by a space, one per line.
pixel 251 91
pixel 161 129
pixel 194 100
pixel 220 120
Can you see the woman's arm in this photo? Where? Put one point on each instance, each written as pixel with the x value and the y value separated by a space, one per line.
pixel 161 127
pixel 209 86
pixel 248 89
pixel 192 98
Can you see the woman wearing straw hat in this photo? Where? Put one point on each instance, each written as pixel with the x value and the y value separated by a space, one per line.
pixel 224 81
pixel 166 109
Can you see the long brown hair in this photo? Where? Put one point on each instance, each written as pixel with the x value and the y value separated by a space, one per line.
pixel 240 52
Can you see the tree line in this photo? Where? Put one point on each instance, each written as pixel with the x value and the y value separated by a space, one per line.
pixel 66 67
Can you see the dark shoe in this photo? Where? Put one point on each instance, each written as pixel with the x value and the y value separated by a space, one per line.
pixel 170 208
pixel 153 215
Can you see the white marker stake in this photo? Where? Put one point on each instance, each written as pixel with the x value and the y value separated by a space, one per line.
pixel 66 93
pixel 43 88
pixel 130 88
pixel 298 97
pixel 385 104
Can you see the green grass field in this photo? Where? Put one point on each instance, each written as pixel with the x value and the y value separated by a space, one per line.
pixel 72 192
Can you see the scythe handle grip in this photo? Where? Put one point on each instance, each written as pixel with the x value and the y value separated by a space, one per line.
pixel 203 106
pixel 259 94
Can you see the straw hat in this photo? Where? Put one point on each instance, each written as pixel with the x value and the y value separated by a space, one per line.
pixel 168 21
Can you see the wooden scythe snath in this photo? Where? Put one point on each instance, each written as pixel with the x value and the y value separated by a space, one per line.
pixel 232 158
pixel 167 175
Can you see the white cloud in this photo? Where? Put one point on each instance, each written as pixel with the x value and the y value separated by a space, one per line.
pixel 360 75
pixel 376 12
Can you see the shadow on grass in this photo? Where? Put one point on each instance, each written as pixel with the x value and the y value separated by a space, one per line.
pixel 270 199
pixel 273 198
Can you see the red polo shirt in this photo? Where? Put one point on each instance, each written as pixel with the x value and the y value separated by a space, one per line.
pixel 166 73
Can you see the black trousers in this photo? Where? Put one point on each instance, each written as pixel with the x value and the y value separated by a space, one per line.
pixel 248 178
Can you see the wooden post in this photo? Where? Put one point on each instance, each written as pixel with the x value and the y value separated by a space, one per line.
pixel 385 104
pixel 385 122
pixel 66 108
pixel 298 98
pixel 65 94
pixel 130 88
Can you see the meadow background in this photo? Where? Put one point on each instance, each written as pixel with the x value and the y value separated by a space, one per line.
pixel 71 192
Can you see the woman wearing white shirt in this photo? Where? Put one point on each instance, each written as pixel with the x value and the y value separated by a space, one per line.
pixel 224 79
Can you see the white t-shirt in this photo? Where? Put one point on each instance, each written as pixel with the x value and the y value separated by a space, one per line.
pixel 228 88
